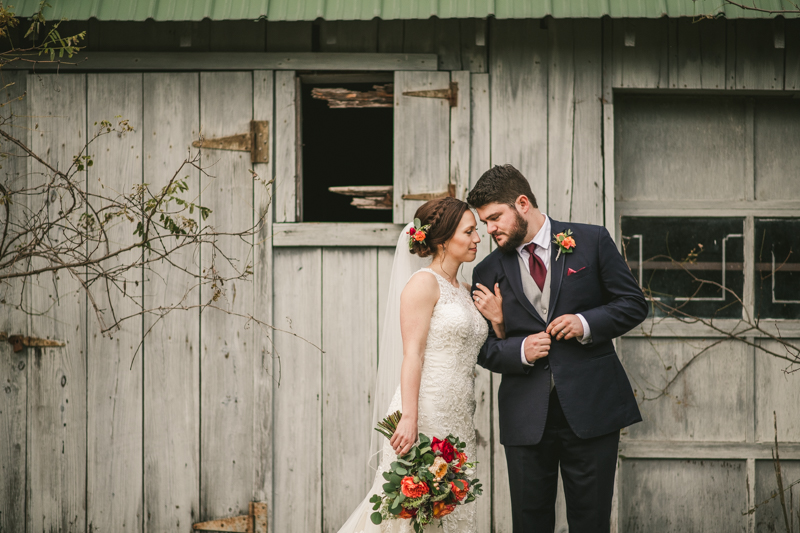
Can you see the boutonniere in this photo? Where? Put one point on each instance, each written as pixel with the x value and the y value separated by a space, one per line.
pixel 565 242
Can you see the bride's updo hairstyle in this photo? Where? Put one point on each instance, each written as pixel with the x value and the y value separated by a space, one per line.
pixel 444 216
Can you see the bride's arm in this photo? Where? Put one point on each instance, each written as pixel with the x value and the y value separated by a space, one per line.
pixel 491 307
pixel 416 308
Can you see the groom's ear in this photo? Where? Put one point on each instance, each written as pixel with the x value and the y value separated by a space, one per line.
pixel 522 204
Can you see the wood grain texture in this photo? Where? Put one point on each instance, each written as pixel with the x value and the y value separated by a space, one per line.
pixel 292 36
pixel 390 36
pixel 350 341
pixel 560 120
pixel 648 449
pixel 690 409
pixel 769 517
pixel 348 35
pixel 776 158
pixel 775 392
pixel 518 65
pixel 460 138
pixel 317 234
pixel 171 121
pixel 474 53
pixel 237 36
pixel 500 492
pixel 13 321
pixel 791 81
pixel 298 408
pixel 672 496
pixel 285 159
pixel 701 53
pixel 646 64
pixel 587 151
pixel 56 458
pixel 421 140
pixel 227 353
pixel 759 65
pixel 114 383
pixel 264 379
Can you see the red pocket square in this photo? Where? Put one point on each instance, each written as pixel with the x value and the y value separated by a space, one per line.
pixel 571 272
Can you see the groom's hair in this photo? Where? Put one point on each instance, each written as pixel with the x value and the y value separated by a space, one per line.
pixel 502 185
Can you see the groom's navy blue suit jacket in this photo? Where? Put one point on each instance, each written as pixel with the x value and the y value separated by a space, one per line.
pixel 591 384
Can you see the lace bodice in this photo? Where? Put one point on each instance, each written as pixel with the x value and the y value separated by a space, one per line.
pixel 447 388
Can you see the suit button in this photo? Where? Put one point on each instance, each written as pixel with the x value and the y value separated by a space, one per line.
pixel 544 310
pixel 546 367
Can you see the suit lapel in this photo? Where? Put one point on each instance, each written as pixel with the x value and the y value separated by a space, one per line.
pixel 556 267
pixel 510 264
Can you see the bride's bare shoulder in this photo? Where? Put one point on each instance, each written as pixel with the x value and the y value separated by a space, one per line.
pixel 422 286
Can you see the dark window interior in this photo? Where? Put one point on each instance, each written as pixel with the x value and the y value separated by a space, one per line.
pixel 343 147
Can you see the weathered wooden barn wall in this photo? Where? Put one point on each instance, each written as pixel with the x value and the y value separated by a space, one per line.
pixel 199 426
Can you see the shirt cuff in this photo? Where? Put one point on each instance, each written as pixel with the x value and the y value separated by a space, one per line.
pixel 587 333
pixel 522 353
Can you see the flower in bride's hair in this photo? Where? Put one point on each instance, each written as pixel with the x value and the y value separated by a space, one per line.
pixel 419 236
pixel 411 489
pixel 438 468
pixel 411 231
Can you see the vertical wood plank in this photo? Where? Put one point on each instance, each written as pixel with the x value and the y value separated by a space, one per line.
pixel 13 320
pixel 587 152
pixel 298 474
pixel 56 459
pixel 460 134
pixel 263 370
pixel 759 65
pixel 473 45
pixel 730 54
pixel 350 340
pixel 390 36
pixel 701 54
pixel 289 36
pixel 114 383
pixel 171 122
pixel 237 36
pixel 646 64
pixel 348 36
pixel 500 493
pixel 792 54
pixel 226 357
pixel 609 180
pixel 448 43
pixel 285 146
pixel 421 140
pixel 518 66
pixel 560 120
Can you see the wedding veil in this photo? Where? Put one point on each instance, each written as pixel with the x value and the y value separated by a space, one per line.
pixel 390 347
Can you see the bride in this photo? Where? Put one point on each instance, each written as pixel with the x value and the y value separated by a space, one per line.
pixel 435 330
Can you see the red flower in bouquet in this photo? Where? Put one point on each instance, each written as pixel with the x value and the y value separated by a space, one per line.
pixel 444 447
pixel 460 494
pixel 441 509
pixel 411 489
pixel 407 513
pixel 462 458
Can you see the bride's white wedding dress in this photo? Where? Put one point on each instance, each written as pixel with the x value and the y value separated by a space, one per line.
pixel 446 400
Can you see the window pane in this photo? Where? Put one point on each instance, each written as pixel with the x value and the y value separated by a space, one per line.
pixel 684 263
pixel 778 268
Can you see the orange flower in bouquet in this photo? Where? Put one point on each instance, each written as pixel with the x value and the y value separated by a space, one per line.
pixel 411 489
pixel 458 492
pixel 441 509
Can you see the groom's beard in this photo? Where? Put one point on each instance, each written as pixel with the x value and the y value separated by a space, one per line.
pixel 515 237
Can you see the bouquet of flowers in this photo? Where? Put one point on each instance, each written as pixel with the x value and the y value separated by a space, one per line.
pixel 427 483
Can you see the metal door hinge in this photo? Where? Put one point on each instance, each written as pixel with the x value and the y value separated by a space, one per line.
pixel 451 94
pixel 256 142
pixel 19 342
pixel 253 522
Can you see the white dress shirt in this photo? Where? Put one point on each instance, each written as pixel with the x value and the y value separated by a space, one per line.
pixel 543 242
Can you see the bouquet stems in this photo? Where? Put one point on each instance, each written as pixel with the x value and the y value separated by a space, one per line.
pixel 388 425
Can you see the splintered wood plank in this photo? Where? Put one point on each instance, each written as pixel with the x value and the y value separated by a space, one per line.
pixel 645 64
pixel 689 410
pixel 298 470
pixel 172 352
pixel 518 63
pixel 56 480
pixel 350 341
pixel 560 121
pixel 348 35
pixel 114 386
pixel 701 53
pixel 460 123
pixel 421 140
pixel 672 496
pixel 263 370
pixel 226 356
pixel 13 320
pixel 286 142
pixel 759 64
pixel 587 150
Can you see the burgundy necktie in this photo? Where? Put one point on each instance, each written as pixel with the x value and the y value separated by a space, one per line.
pixel 536 266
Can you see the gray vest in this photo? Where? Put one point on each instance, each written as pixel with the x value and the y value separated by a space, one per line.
pixel 539 299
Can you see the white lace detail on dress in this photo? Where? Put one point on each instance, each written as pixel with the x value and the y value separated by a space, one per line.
pixel 447 389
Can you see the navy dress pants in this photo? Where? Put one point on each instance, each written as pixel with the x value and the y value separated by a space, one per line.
pixel 587 470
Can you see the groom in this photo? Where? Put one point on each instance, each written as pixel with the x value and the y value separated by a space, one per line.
pixel 564 395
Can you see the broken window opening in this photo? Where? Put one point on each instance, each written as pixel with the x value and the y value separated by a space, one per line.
pixel 347 144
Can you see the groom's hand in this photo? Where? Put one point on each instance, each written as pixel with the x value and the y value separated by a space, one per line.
pixel 566 327
pixel 537 346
